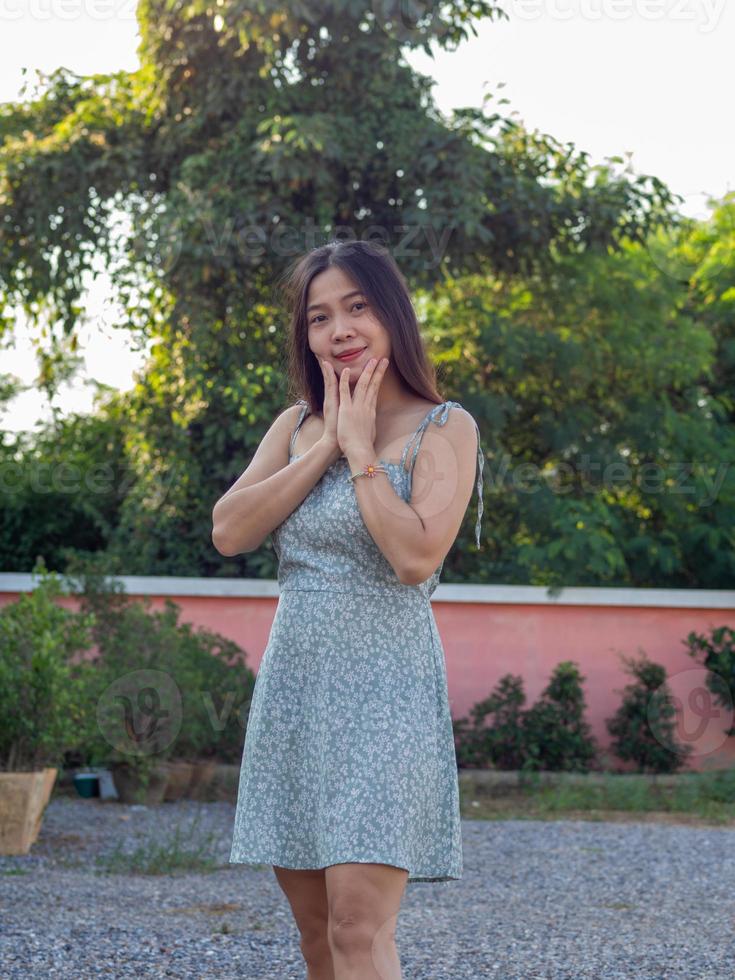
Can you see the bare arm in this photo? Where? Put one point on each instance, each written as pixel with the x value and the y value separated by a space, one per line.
pixel 415 537
pixel 269 490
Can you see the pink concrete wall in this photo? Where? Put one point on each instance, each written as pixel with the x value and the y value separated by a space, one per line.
pixel 484 641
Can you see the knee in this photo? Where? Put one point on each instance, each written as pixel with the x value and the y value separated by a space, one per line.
pixel 354 931
pixel 350 934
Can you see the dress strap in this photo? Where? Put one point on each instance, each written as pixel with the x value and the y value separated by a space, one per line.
pixel 302 416
pixel 439 414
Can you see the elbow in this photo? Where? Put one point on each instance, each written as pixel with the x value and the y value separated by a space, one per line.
pixel 229 548
pixel 222 543
pixel 413 575
pixel 219 538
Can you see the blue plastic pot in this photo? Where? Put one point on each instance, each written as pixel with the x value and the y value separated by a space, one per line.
pixel 87 784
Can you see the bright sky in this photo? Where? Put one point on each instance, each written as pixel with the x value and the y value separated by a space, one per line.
pixel 651 78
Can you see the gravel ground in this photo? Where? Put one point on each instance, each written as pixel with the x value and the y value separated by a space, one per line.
pixel 558 900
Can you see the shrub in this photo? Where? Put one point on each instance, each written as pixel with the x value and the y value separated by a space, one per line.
pixel 718 651
pixel 193 695
pixel 39 704
pixel 642 727
pixel 550 735
pixel 494 735
pixel 555 734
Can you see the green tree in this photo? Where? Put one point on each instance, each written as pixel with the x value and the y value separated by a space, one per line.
pixel 237 144
pixel 610 453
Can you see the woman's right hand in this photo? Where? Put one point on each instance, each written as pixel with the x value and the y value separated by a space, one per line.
pixel 331 407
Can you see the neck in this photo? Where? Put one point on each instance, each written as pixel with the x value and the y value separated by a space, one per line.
pixel 392 395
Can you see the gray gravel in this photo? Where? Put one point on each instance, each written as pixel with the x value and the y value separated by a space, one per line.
pixel 558 900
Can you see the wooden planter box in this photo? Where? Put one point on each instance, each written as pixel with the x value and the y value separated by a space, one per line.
pixel 23 799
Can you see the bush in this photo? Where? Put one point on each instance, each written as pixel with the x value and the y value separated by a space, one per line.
pixel 643 727
pixel 156 688
pixel 718 652
pixel 551 735
pixel 494 734
pixel 39 704
pixel 555 735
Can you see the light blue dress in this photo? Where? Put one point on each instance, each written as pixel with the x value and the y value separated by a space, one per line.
pixel 349 750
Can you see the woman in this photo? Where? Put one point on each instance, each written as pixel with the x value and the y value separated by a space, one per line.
pixel 348 784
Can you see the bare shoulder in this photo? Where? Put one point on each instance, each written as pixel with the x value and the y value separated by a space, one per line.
pixel 287 421
pixel 460 429
pixel 461 420
pixel 453 442
pixel 291 414
pixel 283 424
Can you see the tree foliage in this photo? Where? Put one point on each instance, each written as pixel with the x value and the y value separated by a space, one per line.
pixel 252 132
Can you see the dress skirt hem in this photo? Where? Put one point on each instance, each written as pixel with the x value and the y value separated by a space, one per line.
pixel 272 859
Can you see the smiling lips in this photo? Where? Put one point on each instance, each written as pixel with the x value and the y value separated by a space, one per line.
pixel 350 355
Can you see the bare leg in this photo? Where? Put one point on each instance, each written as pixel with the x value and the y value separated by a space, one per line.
pixel 307 895
pixel 364 901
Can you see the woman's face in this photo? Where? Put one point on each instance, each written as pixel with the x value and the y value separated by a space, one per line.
pixel 339 320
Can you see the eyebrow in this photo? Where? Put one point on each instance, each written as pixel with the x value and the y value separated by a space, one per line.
pixel 314 306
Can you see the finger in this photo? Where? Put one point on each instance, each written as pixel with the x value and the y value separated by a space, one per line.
pixel 376 378
pixel 328 371
pixel 362 388
pixel 330 393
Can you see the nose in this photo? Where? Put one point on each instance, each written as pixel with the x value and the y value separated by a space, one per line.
pixel 342 330
pixel 343 339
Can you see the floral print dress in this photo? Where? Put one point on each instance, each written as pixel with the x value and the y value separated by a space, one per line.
pixel 349 749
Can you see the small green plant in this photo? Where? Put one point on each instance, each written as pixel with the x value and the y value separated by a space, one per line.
pixel 182 851
pixel 39 704
pixel 555 733
pixel 707 796
pixel 494 735
pixel 156 688
pixel 643 727
pixel 718 655
pixel 550 735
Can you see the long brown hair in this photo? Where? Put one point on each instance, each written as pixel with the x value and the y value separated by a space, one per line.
pixel 375 272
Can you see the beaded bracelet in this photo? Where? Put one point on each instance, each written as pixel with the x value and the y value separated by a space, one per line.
pixel 370 470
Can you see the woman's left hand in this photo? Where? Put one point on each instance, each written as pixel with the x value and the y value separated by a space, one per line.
pixel 356 417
